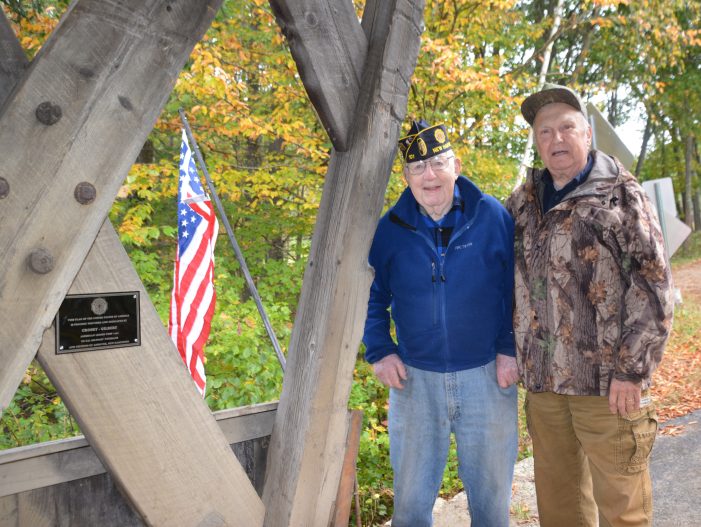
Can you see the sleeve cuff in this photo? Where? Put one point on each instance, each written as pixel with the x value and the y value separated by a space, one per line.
pixel 631 377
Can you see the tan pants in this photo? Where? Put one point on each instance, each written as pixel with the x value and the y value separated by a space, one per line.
pixel 591 466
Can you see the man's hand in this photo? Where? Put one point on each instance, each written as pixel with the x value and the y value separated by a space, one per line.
pixel 390 371
pixel 624 397
pixel 507 371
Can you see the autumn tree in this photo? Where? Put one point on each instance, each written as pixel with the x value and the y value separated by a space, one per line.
pixel 267 154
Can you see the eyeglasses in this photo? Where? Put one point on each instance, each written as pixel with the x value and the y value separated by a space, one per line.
pixel 438 164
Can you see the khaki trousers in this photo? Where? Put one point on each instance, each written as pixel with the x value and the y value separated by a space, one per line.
pixel 591 466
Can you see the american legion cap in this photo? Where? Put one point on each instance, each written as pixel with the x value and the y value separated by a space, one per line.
pixel 423 141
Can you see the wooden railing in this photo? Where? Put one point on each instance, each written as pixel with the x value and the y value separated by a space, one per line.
pixel 64 483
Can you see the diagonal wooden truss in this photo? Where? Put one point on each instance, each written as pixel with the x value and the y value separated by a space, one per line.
pixel 74 123
pixel 109 67
pixel 305 450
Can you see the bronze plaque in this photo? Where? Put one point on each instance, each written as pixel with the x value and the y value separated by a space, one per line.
pixel 99 321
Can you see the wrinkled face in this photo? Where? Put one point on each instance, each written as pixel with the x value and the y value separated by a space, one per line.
pixel 563 138
pixel 432 182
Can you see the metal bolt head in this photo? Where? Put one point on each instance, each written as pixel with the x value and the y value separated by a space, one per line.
pixel 85 193
pixel 40 261
pixel 4 188
pixel 48 113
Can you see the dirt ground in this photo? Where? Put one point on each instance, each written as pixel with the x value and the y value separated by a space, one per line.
pixel 687 278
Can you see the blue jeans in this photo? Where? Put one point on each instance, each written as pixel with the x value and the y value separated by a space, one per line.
pixel 482 416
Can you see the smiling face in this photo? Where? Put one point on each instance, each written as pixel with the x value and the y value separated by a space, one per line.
pixel 563 138
pixel 433 189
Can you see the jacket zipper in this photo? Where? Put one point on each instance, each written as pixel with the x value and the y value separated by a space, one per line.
pixel 439 279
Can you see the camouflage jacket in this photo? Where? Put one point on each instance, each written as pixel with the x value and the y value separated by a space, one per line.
pixel 593 292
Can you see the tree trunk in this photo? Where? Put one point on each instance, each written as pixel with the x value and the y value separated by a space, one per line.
pixel 545 66
pixel 688 172
pixel 643 148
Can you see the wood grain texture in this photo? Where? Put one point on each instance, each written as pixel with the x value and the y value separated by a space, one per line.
pixel 96 500
pixel 54 462
pixel 81 503
pixel 152 430
pixel 346 487
pixel 329 48
pixel 109 66
pixel 13 61
pixel 143 416
pixel 306 451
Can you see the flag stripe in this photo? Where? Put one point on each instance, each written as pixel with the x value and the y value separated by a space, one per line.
pixel 193 296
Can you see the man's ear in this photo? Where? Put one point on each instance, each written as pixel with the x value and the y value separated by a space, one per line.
pixel 590 134
pixel 458 165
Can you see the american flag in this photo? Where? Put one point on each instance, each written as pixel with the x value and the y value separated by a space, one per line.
pixel 192 301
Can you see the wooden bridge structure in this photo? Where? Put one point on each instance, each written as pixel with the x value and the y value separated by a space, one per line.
pixel 71 124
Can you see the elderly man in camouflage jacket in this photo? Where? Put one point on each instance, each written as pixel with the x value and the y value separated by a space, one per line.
pixel 593 310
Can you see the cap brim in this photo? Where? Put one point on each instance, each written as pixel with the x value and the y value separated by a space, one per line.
pixel 533 103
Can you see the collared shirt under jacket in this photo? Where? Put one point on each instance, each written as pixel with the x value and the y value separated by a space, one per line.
pixel 451 313
pixel 593 292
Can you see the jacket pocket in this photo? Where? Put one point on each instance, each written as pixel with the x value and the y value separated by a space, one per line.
pixel 636 435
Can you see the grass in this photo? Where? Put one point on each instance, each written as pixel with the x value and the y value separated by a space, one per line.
pixel 677 382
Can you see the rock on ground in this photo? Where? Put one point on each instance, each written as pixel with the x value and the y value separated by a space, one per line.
pixel 524 513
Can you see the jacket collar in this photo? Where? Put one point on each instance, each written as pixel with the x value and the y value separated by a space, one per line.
pixel 406 211
pixel 603 176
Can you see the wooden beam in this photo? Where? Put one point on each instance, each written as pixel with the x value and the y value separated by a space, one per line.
pixel 329 47
pixel 89 502
pixel 306 451
pixel 13 61
pixel 173 469
pixel 55 462
pixel 64 483
pixel 346 487
pixel 80 114
pixel 143 416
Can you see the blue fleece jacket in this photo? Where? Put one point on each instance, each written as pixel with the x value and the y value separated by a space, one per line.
pixel 448 316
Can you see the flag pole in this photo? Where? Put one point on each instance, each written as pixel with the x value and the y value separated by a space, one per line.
pixel 232 239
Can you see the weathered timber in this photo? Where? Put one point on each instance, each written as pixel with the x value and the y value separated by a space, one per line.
pixel 143 416
pixel 305 456
pixel 87 502
pixel 107 69
pixel 190 430
pixel 329 47
pixel 13 61
pixel 346 487
pixel 63 482
pixel 54 462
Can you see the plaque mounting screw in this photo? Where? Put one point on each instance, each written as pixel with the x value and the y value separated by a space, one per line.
pixel 4 188
pixel 48 113
pixel 84 193
pixel 40 261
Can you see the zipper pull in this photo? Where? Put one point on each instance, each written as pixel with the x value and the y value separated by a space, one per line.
pixel 433 272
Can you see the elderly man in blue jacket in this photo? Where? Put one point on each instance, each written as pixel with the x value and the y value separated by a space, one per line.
pixel 443 261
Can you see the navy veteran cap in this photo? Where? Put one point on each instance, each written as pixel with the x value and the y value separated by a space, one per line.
pixel 549 94
pixel 423 141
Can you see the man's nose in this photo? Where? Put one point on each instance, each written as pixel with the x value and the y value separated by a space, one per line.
pixel 428 172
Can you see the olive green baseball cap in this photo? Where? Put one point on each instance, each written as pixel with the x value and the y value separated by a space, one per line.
pixel 549 94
